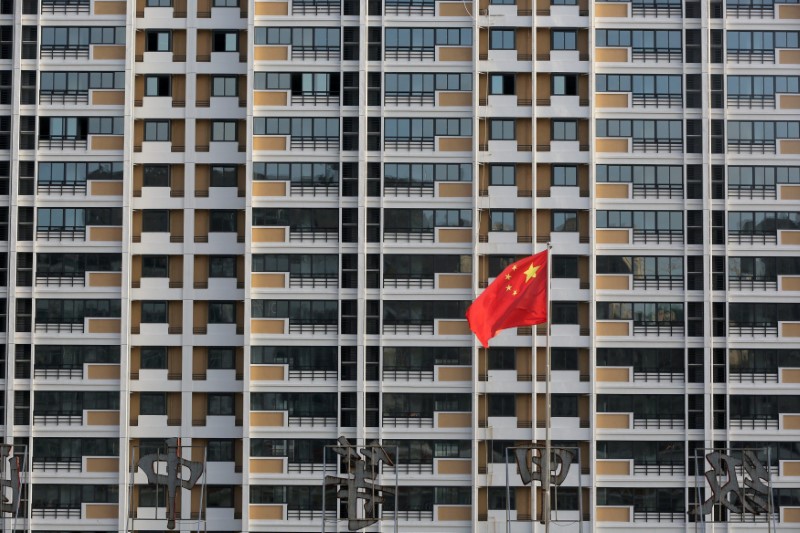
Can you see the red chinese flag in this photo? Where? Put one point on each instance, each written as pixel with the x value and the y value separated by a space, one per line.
pixel 518 297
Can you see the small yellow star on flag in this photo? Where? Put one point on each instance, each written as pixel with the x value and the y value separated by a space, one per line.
pixel 508 287
pixel 515 293
pixel 508 276
pixel 514 267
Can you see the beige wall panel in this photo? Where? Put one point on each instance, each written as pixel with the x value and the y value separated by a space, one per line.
pixel 789 192
pixel 269 188
pixel 108 97
pixel 102 418
pixel 267 373
pixel 788 11
pixel 611 10
pixel 266 418
pixel 612 236
pixel 789 101
pixel 101 510
pixel 271 53
pixel 611 55
pixel 102 371
pixel 455 281
pixel 105 188
pixel 612 146
pixel 611 100
pixel 108 142
pixel 269 280
pixel 453 327
pixel 105 52
pixel 267 326
pixel 612 190
pixel 278 98
pixel 269 143
pixel 455 144
pixel 791 421
pixel 272 8
pixel 455 373
pixel 266 466
pixel 613 421
pixel 790 375
pixel 455 420
pixel 611 329
pixel 615 283
pixel 613 514
pixel 790 237
pixel 790 468
pixel 455 190
pixel 449 513
pixel 266 512
pixel 455 9
pixel 612 374
pixel 269 235
pixel 455 53
pixel 105 279
pixel 789 57
pixel 613 468
pixel 102 464
pixel 455 99
pixel 454 467
pixel 104 325
pixel 455 235
pixel 110 8
pixel 790 146
pixel 791 514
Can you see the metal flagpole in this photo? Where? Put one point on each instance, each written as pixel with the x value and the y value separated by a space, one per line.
pixel 546 458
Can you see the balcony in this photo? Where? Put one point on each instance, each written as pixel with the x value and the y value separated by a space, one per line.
pixel 407 422
pixel 311 421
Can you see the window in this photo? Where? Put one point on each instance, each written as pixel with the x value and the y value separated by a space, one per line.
pixel 155 266
pixel 501 39
pixel 156 130
pixel 218 450
pixel 563 39
pixel 224 176
pixel 220 404
pixel 222 266
pixel 502 220
pixel 564 405
pixel 502 175
pixel 153 357
pixel 155 175
pixel 502 359
pixel 226 3
pixel 502 129
pixel 428 37
pixel 154 312
pixel 158 85
pixel 565 312
pixel 158 41
pixel 159 3
pixel 222 221
pixel 564 359
pixel 565 130
pixel 300 37
pixel 223 131
pixel 224 86
pixel 221 358
pixel 502 405
pixel 221 313
pixel 155 220
pixel 564 84
pixel 152 403
pixel 565 221
pixel 502 84
pixel 67 173
pixel 225 41
pixel 565 176
pixel 565 266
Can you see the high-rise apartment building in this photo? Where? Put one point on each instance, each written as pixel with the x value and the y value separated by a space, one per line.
pixel 256 226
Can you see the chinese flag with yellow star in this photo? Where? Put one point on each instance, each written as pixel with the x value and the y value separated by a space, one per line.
pixel 518 297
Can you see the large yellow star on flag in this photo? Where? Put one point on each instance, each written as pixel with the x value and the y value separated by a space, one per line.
pixel 531 272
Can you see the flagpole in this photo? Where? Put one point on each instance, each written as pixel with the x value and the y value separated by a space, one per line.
pixel 546 459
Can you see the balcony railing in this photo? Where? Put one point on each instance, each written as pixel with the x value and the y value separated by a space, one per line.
pixel 315 98
pixel 407 375
pixel 300 375
pixel 62 143
pixel 417 282
pixel 407 422
pixel 308 467
pixel 312 421
pixel 753 423
pixel 659 469
pixel 314 189
pixel 311 327
pixel 657 145
pixel 658 423
pixel 76 327
pixel 751 101
pixel 408 236
pixel 417 190
pixel 61 188
pixel 658 516
pixel 673 329
pixel 410 468
pixel 408 328
pixel 313 52
pixel 306 7
pixel 657 99
pixel 658 376
pixel 410 53
pixel 750 237
pixel 658 236
pixel 410 8
pixel 57 420
pixel 55 513
pixel 410 98
pixel 407 515
pixel 660 191
pixel 58 373
pixel 658 282
pixel 313 235
pixel 753 10
pixel 752 191
pixel 310 514
pixel 752 377
pixel 668 55
pixel 315 282
pixel 55 280
pixel 63 97
pixel 61 234
pixel 57 464
pixel 752 283
pixel 60 52
pixel 410 144
pixel 314 143
pixel 751 56
pixel 755 329
pixel 51 7
pixel 656 9
pixel 749 146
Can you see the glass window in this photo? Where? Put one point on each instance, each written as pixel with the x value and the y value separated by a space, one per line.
pixel 502 84
pixel 225 41
pixel 502 359
pixel 221 358
pixel 219 450
pixel 222 221
pixel 154 312
pixel 221 405
pixel 501 39
pixel 156 130
pixel 565 176
pixel 565 130
pixel 564 84
pixel 158 41
pixel 224 86
pixel 224 176
pixel 565 312
pixel 565 221
pixel 153 357
pixel 155 266
pixel 157 85
pixel 502 129
pixel 221 313
pixel 565 266
pixel 222 266
pixel 159 3
pixel 155 175
pixel 152 403
pixel 223 131
pixel 502 220
pixel 226 3
pixel 563 39
pixel 155 220
pixel 502 175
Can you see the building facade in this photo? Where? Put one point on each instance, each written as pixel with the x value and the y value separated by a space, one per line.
pixel 256 226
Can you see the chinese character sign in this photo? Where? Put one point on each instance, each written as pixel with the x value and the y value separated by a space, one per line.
pixel 359 484
pixel 173 477
pixel 13 483
pixel 560 461
pixel 750 496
